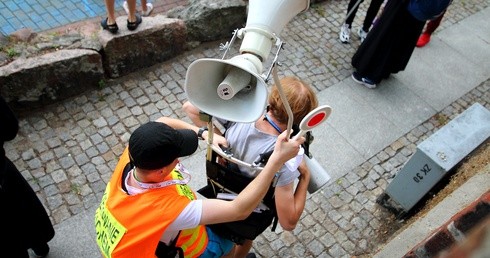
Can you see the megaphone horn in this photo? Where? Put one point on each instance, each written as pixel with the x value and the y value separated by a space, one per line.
pixel 265 21
pixel 228 89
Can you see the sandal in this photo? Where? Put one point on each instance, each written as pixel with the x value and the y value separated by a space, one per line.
pixel 134 25
pixel 110 27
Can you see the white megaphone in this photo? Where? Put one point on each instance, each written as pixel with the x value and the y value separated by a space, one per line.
pixel 234 89
pixel 229 89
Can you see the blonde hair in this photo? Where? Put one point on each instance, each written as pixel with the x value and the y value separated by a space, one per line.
pixel 300 96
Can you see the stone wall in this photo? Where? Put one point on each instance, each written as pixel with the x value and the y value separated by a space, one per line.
pixel 66 65
pixel 157 39
pixel 41 80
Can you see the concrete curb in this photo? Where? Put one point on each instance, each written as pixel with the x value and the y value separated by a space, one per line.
pixel 449 210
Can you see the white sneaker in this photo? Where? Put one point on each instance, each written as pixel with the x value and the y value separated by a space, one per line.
pixel 126 8
pixel 344 34
pixel 149 9
pixel 362 34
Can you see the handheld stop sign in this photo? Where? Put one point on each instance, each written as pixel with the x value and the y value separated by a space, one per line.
pixel 316 117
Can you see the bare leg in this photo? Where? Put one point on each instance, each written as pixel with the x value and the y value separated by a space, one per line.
pixel 132 10
pixel 231 254
pixel 109 5
pixel 241 251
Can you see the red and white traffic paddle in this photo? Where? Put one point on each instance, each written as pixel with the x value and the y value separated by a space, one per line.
pixel 313 119
pixel 318 176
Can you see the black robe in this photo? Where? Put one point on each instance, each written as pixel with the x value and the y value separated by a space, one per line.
pixel 24 221
pixel 390 43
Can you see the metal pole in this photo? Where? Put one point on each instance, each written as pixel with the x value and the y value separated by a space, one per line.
pixel 352 10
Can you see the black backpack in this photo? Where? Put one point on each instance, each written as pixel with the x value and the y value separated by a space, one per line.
pixel 223 179
pixel 228 179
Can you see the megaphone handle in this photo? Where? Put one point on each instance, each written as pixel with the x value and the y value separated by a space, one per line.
pixel 209 151
pixel 284 100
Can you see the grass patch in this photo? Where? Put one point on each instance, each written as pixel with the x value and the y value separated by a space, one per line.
pixel 11 52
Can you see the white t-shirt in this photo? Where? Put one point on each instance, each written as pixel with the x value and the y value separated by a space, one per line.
pixel 188 218
pixel 247 142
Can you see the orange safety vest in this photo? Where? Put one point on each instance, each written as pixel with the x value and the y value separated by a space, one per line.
pixel 132 225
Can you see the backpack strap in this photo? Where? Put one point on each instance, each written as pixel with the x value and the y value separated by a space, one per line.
pixel 223 179
pixel 171 250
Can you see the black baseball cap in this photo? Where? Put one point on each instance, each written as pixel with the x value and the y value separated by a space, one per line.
pixel 155 145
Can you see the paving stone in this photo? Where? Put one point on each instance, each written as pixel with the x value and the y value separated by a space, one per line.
pixel 337 251
pixel 66 162
pixel 287 238
pixel 60 214
pixel 51 190
pixel 345 196
pixel 315 247
pixel 38 173
pixel 143 100
pixel 27 155
pixel 327 239
pixel 64 186
pixel 76 208
pixel 344 224
pixel 93 177
pixel 352 178
pixel 319 215
pixel 58 176
pixel 348 245
pixel 52 165
pixel 85 190
pixel 276 244
pixel 103 147
pixel 34 163
pixel 297 250
pixel 136 110
pixel 46 156
pixel 306 236
pixel 55 201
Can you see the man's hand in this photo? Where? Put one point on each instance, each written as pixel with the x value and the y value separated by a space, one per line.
pixel 218 140
pixel 285 149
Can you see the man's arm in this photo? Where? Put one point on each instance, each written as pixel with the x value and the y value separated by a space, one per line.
pixel 218 211
pixel 218 140
pixel 290 203
pixel 193 113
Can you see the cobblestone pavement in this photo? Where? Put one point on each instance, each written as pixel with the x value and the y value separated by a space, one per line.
pixel 67 151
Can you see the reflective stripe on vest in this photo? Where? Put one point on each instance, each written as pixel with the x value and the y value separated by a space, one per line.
pixel 192 242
